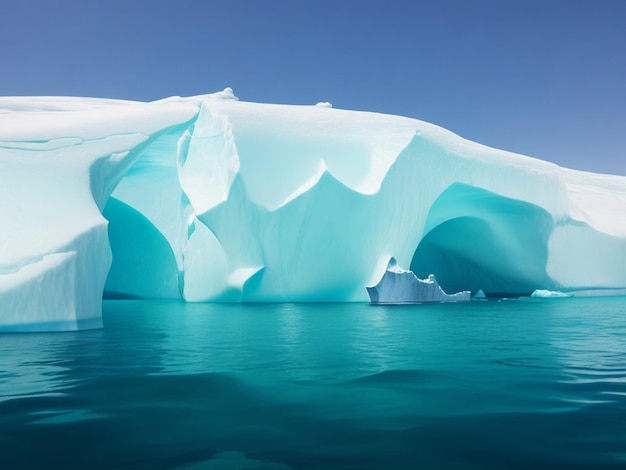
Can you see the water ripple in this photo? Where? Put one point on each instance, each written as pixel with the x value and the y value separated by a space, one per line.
pixel 488 385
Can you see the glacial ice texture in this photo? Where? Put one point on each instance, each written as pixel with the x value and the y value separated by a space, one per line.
pixel 208 198
pixel 399 286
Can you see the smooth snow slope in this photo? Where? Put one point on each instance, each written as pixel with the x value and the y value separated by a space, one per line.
pixel 214 199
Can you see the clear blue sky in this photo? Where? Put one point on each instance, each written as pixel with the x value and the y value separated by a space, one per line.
pixel 545 78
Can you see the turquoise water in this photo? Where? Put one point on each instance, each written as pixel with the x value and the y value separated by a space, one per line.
pixel 510 384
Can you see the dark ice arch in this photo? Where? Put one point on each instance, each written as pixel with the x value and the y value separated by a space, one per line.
pixel 476 239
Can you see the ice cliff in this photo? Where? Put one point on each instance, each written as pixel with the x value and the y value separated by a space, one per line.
pixel 209 198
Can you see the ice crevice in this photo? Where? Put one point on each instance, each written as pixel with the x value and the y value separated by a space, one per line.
pixel 209 198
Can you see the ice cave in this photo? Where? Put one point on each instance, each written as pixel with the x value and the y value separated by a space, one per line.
pixel 212 199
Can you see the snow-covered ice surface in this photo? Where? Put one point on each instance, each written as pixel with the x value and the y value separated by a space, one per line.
pixel 210 198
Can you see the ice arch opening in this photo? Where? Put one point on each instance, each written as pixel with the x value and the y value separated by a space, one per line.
pixel 476 239
pixel 143 264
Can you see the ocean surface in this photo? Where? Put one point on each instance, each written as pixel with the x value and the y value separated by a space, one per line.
pixel 498 384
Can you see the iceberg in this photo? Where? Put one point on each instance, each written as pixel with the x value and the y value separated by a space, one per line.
pixel 213 199
pixel 549 294
pixel 400 286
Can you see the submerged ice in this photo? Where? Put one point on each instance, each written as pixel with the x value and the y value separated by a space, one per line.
pixel 209 198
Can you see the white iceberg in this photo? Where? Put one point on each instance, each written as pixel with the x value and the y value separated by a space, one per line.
pixel 549 294
pixel 209 198
pixel 401 286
